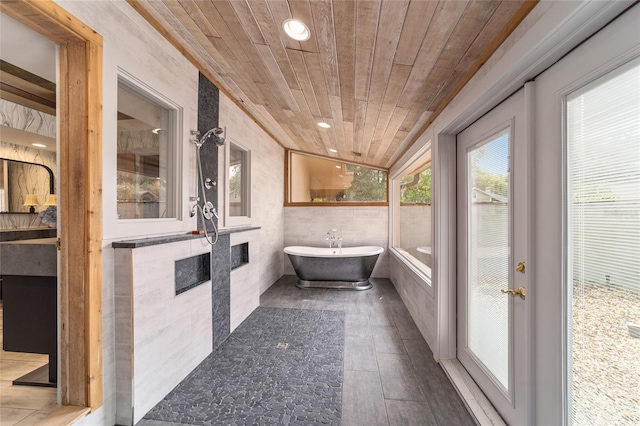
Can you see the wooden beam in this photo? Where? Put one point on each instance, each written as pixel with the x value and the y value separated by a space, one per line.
pixel 93 225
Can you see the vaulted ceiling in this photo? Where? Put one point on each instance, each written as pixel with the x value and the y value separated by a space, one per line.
pixel 377 71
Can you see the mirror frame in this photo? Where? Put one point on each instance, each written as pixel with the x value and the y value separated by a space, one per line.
pixel 52 183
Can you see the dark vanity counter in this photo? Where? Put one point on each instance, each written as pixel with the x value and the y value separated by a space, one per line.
pixel 166 239
pixel 35 257
pixel 26 233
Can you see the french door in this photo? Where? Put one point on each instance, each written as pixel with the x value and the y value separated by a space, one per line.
pixel 492 252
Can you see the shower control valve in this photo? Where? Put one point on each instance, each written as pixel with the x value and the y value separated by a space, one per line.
pixel 194 210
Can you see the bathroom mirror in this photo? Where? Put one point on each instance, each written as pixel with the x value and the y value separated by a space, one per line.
pixel 20 178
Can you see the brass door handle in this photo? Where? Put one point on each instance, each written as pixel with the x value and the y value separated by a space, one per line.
pixel 518 292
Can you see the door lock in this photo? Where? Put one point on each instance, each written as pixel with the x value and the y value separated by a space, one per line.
pixel 520 267
pixel 518 292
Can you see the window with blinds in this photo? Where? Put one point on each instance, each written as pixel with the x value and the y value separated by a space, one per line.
pixel 603 270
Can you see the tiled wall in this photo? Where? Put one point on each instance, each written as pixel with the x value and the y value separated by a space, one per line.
pixel 245 280
pixel 267 188
pixel 361 226
pixel 160 336
pixel 418 296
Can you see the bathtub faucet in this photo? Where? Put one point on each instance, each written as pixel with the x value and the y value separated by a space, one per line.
pixel 334 238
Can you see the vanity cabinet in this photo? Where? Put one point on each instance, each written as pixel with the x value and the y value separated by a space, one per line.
pixel 29 290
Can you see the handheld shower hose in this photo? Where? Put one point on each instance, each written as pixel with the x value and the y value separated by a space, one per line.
pixel 207 209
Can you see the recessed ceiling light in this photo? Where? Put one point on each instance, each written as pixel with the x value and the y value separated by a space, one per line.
pixel 338 167
pixel 39 145
pixel 296 29
pixel 156 131
pixel 333 150
pixel 324 125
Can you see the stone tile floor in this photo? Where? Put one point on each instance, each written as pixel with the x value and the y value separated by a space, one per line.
pixel 390 377
pixel 281 366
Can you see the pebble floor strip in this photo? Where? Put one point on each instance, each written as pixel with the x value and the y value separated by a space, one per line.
pixel 280 366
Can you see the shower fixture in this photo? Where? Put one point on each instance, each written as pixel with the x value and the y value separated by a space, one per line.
pixel 206 208
pixel 212 133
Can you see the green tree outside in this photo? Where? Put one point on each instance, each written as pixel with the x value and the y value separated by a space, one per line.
pixel 420 193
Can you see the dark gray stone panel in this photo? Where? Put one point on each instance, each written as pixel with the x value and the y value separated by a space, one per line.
pixel 208 116
pixel 221 289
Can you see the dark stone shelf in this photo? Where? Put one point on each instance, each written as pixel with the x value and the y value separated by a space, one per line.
pixel 166 239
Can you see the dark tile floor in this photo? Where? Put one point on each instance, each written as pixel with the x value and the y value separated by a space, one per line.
pixel 281 366
pixel 390 377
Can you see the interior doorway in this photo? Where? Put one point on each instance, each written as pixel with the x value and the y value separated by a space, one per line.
pixel 79 112
pixel 28 222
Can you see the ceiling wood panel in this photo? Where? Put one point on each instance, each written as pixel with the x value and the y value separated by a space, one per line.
pixel 345 20
pixel 476 14
pixel 442 25
pixel 415 27
pixel 326 42
pixel 192 9
pixel 367 13
pixel 378 71
pixel 314 68
pixel 488 33
pixel 249 24
pixel 392 15
pixel 301 10
pixel 300 68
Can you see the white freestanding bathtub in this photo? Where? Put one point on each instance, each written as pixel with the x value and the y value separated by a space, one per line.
pixel 346 268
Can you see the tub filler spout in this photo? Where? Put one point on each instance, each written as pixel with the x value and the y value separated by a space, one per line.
pixel 335 267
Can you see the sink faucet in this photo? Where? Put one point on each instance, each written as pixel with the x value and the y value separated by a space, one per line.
pixel 334 238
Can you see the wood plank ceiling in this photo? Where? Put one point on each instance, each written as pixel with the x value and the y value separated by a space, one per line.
pixel 377 71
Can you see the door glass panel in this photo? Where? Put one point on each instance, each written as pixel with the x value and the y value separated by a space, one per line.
pixel 603 273
pixel 488 255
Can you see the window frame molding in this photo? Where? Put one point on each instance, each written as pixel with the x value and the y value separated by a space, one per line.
pixel 175 151
pixel 421 270
pixel 236 221
pixel 287 183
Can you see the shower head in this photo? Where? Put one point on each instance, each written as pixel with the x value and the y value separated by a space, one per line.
pixel 212 133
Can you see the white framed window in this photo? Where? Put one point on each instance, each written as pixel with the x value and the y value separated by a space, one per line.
pixel 237 196
pixel 147 152
pixel 411 214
